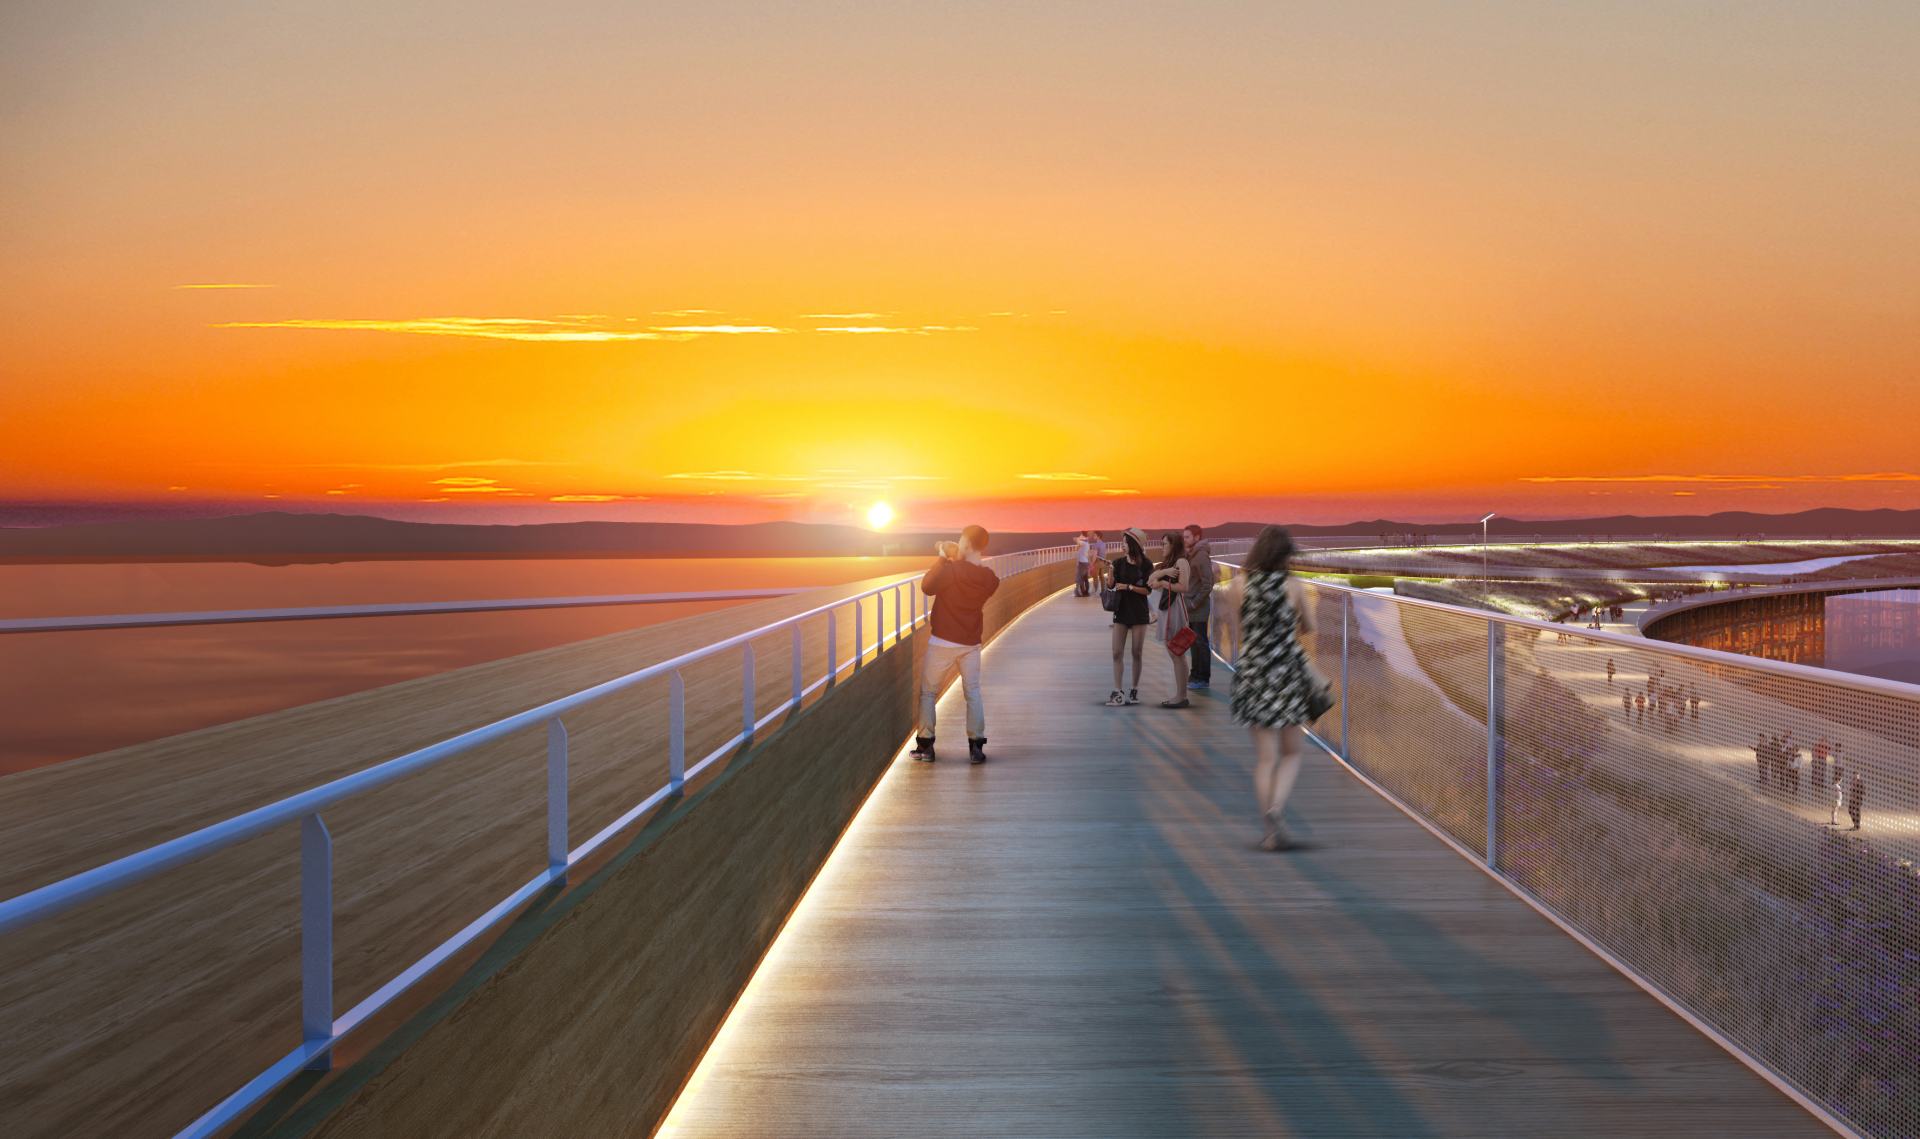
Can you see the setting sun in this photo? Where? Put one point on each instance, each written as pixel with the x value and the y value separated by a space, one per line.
pixel 879 515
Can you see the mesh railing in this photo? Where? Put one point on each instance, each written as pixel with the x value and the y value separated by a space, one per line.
pixel 1690 813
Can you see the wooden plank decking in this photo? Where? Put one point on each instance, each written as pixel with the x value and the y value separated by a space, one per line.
pixel 1081 939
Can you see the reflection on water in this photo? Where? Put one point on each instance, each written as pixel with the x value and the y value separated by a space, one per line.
pixel 64 695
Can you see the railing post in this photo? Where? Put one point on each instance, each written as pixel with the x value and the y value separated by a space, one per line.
pixel 799 665
pixel 556 799
pixel 859 634
pixel 316 937
pixel 879 622
pixel 746 689
pixel 833 647
pixel 899 614
pixel 676 733
pixel 1346 657
pixel 1496 736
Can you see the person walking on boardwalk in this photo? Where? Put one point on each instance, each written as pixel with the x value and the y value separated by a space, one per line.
pixel 1082 557
pixel 1856 796
pixel 1199 607
pixel 959 586
pixel 1174 577
pixel 1274 686
pixel 1131 616
pixel 1837 773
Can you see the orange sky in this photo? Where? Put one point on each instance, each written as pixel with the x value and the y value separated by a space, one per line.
pixel 1200 261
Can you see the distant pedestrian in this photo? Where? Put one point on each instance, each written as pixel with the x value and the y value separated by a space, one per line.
pixel 1199 606
pixel 1609 670
pixel 1837 775
pixel 1131 616
pixel 1856 795
pixel 1174 577
pixel 960 587
pixel 1640 707
pixel 1693 702
pixel 1082 556
pixel 1275 689
pixel 1760 758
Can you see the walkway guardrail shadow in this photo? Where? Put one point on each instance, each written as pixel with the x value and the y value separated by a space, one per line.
pixel 883 619
pixel 1634 793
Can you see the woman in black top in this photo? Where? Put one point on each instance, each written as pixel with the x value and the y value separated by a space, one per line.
pixel 1130 614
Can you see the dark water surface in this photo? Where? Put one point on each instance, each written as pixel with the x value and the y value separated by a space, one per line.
pixel 65 695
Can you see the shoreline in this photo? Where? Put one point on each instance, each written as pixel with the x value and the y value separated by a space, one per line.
pixel 418 556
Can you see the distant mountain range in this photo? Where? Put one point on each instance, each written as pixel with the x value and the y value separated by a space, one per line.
pixel 294 536
pixel 281 536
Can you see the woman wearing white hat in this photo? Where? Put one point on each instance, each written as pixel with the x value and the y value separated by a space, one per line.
pixel 1131 616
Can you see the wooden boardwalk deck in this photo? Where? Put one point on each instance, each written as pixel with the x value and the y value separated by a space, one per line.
pixel 1081 939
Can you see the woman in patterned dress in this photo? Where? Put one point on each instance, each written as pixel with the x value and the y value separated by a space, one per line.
pixel 1272 680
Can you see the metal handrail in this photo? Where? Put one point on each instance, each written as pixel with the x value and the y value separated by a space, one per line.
pixel 321 1028
pixel 1642 644
pixel 1226 646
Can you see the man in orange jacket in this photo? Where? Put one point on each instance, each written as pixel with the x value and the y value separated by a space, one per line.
pixel 959 586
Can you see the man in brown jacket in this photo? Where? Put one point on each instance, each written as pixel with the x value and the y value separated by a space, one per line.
pixel 959 586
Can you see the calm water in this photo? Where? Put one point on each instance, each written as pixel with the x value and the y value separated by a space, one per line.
pixel 64 695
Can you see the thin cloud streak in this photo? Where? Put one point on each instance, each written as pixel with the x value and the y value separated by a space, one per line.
pixel 597 498
pixel 483 328
pixel 1064 476
pixel 894 330
pixel 724 329
pixel 453 465
pixel 1868 477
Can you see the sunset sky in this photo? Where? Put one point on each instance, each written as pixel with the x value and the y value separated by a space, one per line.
pixel 1044 264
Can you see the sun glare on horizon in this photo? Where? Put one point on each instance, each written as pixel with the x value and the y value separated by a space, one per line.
pixel 879 515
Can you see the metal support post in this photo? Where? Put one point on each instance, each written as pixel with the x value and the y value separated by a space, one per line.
pixel 833 647
pixel 1496 736
pixel 799 666
pixel 676 733
pixel 1346 657
pixel 316 937
pixel 746 689
pixel 556 798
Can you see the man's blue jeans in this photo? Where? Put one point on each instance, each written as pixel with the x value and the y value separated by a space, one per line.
pixel 1202 658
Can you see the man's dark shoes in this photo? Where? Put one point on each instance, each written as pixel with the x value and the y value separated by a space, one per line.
pixel 977 751
pixel 922 749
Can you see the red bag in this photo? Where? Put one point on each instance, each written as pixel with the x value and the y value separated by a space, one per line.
pixel 1181 641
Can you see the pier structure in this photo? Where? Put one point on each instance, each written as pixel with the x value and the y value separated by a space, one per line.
pixel 705 895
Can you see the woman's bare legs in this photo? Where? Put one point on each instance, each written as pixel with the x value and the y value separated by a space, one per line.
pixel 1121 634
pixel 1276 766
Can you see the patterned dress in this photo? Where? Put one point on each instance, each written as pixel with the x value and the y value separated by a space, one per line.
pixel 1272 681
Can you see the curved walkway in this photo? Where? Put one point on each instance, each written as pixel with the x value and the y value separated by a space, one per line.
pixel 1081 939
